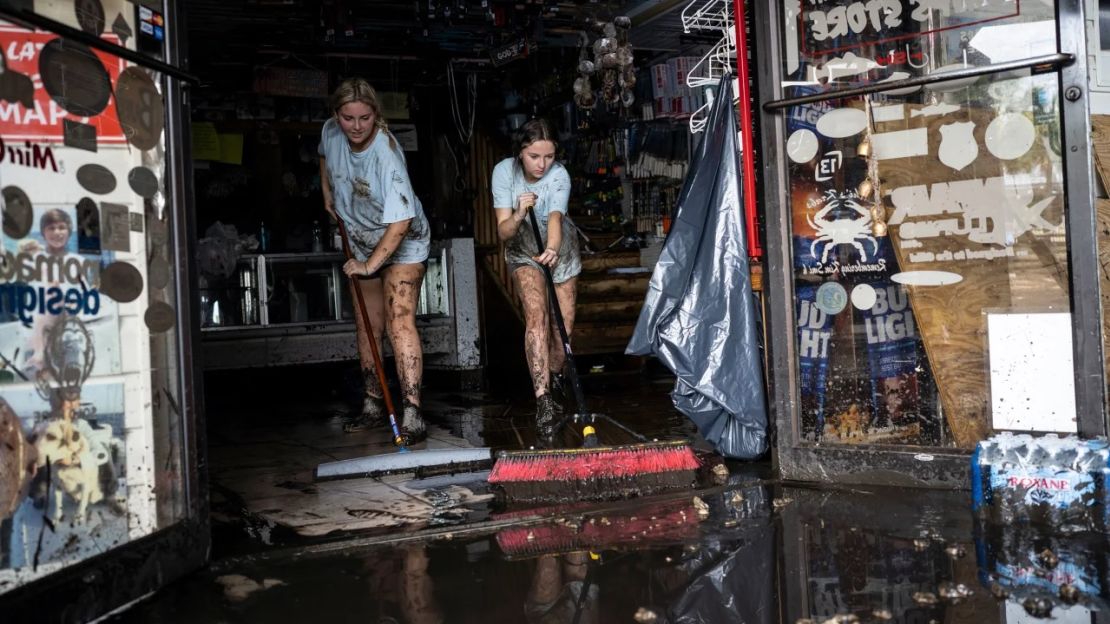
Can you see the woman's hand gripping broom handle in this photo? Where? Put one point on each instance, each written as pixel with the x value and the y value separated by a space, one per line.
pixel 398 439
pixel 553 299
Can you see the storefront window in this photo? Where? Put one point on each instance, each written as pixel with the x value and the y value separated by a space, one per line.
pixel 929 250
pixel 90 385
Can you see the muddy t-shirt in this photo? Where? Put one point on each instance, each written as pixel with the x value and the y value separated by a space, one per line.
pixel 371 189
pixel 552 193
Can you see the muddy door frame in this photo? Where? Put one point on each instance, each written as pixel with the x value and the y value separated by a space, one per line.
pixel 800 459
pixel 166 534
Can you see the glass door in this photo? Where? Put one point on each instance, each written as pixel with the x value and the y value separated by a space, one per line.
pixel 934 261
pixel 99 490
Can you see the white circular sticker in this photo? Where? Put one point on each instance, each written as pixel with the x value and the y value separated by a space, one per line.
pixel 831 298
pixel 801 147
pixel 927 278
pixel 841 123
pixel 864 297
pixel 1010 136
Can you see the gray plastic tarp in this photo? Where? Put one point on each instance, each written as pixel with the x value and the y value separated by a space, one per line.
pixel 699 317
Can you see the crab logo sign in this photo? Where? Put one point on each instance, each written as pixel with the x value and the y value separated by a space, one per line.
pixel 833 232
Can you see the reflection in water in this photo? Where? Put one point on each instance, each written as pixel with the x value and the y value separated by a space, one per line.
pixel 756 554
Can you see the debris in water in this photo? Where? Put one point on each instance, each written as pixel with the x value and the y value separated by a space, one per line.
pixel 737 499
pixel 238 588
pixel 1038 607
pixel 921 545
pixel 954 591
pixel 531 536
pixel 701 507
pixel 925 598
pixel 999 591
pixel 882 614
pixel 842 618
pixel 1048 559
pixel 645 616
pixel 1069 594
pixel 720 473
pixel 956 551
pixel 779 503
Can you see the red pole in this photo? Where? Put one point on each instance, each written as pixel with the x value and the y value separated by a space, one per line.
pixel 755 249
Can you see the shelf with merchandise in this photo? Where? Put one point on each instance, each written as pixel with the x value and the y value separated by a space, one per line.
pixel 305 288
pixel 284 309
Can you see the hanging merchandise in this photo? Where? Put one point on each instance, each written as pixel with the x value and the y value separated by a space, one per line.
pixel 699 317
pixel 610 69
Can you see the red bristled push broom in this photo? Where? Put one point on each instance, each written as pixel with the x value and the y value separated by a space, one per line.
pixel 674 522
pixel 592 472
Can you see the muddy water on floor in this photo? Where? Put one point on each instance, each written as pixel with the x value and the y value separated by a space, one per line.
pixel 749 552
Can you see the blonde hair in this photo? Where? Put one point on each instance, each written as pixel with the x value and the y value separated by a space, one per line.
pixel 358 90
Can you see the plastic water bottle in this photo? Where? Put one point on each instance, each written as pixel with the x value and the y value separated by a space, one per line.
pixel 317 238
pixel 336 238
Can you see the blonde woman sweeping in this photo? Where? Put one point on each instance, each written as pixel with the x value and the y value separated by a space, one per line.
pixel 367 187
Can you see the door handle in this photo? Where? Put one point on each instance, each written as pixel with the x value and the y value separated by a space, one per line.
pixel 1039 63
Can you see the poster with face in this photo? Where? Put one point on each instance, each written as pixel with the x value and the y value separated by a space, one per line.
pixel 85 379
pixel 43 278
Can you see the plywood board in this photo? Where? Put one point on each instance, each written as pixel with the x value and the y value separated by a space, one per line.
pixel 1102 207
pixel 951 319
pixel 1100 141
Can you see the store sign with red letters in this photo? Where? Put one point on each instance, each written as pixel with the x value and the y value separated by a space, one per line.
pixel 42 121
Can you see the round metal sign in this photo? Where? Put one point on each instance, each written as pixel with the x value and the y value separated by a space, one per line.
pixel 74 77
pixel 159 317
pixel 18 215
pixel 90 16
pixel 158 273
pixel 96 178
pixel 121 281
pixel 16 462
pixel 143 181
pixel 140 108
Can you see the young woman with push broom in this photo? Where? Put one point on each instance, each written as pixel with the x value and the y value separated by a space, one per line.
pixel 533 182
pixel 593 471
pixel 367 190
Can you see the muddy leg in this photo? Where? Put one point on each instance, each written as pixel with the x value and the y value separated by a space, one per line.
pixel 547 581
pixel 567 294
pixel 402 287
pixel 418 601
pixel 533 297
pixel 372 295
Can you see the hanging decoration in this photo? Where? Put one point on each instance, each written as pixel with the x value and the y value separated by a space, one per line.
pixel 610 73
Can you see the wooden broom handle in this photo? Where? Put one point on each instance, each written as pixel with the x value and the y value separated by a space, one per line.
pixel 378 368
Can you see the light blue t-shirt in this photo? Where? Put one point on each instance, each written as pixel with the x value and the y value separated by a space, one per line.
pixel 371 189
pixel 552 193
